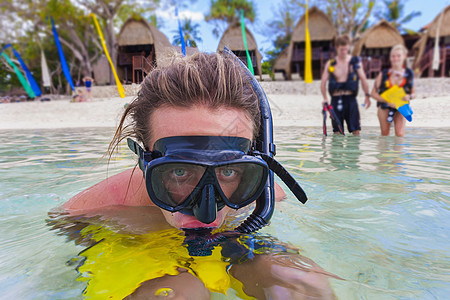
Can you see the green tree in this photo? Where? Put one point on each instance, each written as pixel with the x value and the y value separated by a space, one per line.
pixel 394 12
pixel 190 31
pixel 281 28
pixel 228 12
pixel 349 16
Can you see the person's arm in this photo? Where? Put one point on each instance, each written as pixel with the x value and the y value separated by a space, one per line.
pixel 287 276
pixel 125 188
pixel 374 94
pixel 323 83
pixel 365 85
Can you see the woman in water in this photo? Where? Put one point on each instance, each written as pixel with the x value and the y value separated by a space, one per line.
pixel 195 126
pixel 396 75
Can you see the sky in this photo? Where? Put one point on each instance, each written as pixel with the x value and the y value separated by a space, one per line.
pixel 265 12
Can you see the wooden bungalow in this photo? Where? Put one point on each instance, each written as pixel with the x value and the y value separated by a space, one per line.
pixel 374 46
pixel 322 34
pixel 141 48
pixel 424 47
pixel 232 39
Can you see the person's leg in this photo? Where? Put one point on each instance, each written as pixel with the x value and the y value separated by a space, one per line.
pixel 339 114
pixel 352 117
pixel 399 124
pixel 382 118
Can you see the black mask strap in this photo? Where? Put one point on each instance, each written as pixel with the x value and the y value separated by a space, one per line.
pixel 287 178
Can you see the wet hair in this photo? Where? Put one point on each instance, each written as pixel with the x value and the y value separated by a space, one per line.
pixel 212 80
pixel 342 40
pixel 399 47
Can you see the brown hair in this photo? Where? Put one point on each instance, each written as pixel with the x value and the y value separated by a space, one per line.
pixel 342 40
pixel 213 80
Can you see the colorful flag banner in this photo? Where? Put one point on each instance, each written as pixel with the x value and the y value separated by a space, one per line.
pixel 30 78
pixel 244 39
pixel 22 79
pixel 119 85
pixel 183 44
pixel 62 58
pixel 308 54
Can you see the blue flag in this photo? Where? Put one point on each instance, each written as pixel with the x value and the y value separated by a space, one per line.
pixel 183 45
pixel 64 66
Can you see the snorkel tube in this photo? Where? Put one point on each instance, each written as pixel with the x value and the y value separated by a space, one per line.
pixel 265 204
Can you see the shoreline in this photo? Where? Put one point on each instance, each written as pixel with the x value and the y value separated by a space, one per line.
pixel 287 110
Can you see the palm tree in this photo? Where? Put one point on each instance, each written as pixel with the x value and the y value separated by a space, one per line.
pixel 191 34
pixel 229 11
pixel 394 13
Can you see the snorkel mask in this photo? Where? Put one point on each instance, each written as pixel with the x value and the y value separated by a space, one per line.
pixel 200 175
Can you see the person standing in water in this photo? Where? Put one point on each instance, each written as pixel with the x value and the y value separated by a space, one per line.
pixel 396 75
pixel 88 82
pixel 201 128
pixel 343 74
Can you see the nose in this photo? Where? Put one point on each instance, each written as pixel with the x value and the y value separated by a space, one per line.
pixel 206 209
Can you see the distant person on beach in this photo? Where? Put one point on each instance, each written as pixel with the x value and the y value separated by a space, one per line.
pixel 79 96
pixel 88 82
pixel 396 75
pixel 343 74
pixel 197 130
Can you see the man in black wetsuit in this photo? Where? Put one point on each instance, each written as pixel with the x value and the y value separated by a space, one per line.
pixel 342 74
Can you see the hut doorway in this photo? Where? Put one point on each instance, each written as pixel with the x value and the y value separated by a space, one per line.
pixel 136 62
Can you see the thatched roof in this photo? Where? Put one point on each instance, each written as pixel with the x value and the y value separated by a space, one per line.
pixel 232 39
pixel 282 62
pixel 444 30
pixel 140 32
pixel 381 35
pixel 321 28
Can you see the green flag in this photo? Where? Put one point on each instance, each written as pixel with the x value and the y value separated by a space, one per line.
pixel 249 60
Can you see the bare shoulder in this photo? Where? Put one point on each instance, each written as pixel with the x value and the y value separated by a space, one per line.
pixel 125 188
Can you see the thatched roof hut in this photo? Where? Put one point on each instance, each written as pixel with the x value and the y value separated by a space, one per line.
pixel 232 39
pixel 282 62
pixel 423 48
pixel 377 38
pixel 322 33
pixel 139 38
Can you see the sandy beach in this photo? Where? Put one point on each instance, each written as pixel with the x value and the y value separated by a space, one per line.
pixel 290 107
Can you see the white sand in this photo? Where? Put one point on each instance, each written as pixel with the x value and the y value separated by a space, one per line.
pixel 287 110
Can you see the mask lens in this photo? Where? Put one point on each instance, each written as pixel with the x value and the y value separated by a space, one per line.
pixel 172 183
pixel 240 182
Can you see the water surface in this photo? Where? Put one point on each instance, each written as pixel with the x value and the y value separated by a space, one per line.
pixel 377 216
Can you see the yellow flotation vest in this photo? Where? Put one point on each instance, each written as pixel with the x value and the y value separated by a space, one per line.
pixel 117 264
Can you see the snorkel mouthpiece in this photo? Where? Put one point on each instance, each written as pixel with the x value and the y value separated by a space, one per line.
pixel 206 210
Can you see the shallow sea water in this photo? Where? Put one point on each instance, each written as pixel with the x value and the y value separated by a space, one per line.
pixel 377 216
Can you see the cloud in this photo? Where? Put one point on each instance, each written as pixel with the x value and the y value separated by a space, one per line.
pixel 169 14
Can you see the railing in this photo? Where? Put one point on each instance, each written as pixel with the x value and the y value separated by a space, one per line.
pixel 141 67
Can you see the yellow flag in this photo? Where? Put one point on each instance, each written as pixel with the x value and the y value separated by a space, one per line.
pixel 119 85
pixel 308 58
